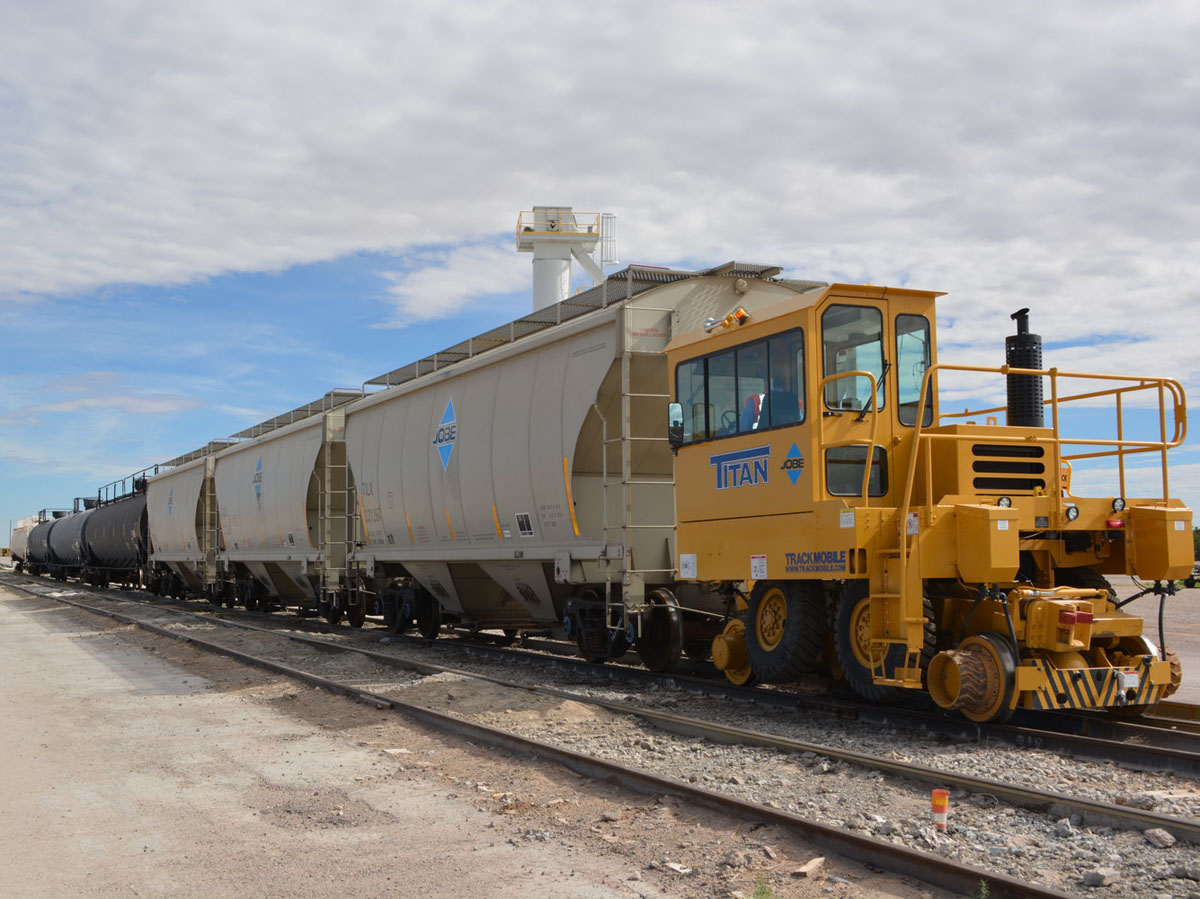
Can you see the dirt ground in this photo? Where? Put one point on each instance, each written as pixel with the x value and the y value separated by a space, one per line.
pixel 136 766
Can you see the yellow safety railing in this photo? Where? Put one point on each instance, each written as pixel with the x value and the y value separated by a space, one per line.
pixel 543 223
pixel 1120 448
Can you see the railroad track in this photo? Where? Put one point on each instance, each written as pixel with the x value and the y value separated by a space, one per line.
pixel 1168 742
pixel 1091 812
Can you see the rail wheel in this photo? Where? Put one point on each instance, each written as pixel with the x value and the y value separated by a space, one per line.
pixel 332 613
pixel 785 629
pixel 429 617
pixel 356 614
pixel 977 678
pixel 729 654
pixel 852 645
pixel 397 615
pixel 660 642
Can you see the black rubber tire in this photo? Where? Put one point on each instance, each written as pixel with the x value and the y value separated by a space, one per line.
pixel 1086 578
pixel 858 676
pixel 801 637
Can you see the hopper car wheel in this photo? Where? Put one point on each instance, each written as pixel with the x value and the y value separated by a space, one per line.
pixel 356 614
pixel 852 645
pixel 509 638
pixel 429 617
pixel 660 642
pixel 401 623
pixel 393 618
pixel 785 629
pixel 333 614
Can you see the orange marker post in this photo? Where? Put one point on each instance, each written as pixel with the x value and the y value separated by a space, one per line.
pixel 941 806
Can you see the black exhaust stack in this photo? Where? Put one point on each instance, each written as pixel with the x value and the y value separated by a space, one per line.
pixel 1024 350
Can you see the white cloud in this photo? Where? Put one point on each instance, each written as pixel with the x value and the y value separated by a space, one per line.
pixel 449 281
pixel 1017 154
pixel 154 403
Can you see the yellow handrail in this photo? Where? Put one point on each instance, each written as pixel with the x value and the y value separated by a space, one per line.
pixel 874 409
pixel 1123 447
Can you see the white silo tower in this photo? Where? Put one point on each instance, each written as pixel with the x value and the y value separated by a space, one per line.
pixel 554 234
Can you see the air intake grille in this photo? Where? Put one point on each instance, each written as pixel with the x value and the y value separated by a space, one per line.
pixel 1008 468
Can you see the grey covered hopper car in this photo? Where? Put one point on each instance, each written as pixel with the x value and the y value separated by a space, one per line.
pixel 530 486
pixel 19 543
pixel 181 517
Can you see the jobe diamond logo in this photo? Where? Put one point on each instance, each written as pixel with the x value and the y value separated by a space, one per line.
pixel 256 482
pixel 446 434
pixel 793 464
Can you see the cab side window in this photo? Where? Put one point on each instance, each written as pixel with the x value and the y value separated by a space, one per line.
pixel 722 395
pixel 785 400
pixel 689 388
pixel 852 340
pixel 753 387
pixel 912 361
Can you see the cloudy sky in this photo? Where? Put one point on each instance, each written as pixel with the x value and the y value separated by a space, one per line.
pixel 210 213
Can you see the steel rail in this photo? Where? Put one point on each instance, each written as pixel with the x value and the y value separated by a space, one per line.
pixel 1094 813
pixel 928 868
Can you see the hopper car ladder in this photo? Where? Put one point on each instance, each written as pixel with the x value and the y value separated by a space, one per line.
pixel 210 522
pixel 335 525
pixel 633 579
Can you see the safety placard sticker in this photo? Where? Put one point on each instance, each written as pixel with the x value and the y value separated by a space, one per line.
pixel 846 518
pixel 912 524
pixel 1179 526
pixel 758 568
pixel 687 565
pixel 1002 524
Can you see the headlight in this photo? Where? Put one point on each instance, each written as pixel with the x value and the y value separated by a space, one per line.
pixel 1072 513
pixel 1004 502
pixel 1119 504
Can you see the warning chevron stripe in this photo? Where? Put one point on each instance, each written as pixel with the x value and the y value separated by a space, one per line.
pixel 1088 688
